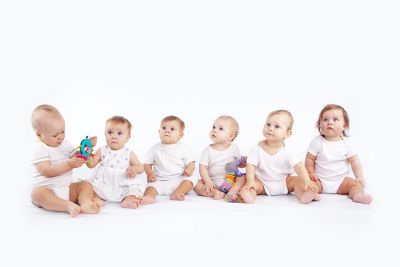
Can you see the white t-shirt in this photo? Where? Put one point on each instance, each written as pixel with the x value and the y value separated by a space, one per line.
pixel 216 160
pixel 43 152
pixel 273 167
pixel 169 160
pixel 331 157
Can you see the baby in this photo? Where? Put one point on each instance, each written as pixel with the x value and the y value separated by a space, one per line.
pixel 271 162
pixel 168 165
pixel 330 156
pixel 114 177
pixel 53 162
pixel 215 157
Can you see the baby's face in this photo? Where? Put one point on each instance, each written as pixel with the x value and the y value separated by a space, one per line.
pixel 52 131
pixel 170 132
pixel 332 124
pixel 117 135
pixel 222 131
pixel 276 127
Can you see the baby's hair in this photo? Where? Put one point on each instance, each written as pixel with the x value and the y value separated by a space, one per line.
pixel 39 111
pixel 283 111
pixel 121 120
pixel 332 107
pixel 234 124
pixel 174 118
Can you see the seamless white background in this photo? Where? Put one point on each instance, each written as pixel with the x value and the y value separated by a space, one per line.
pixel 198 60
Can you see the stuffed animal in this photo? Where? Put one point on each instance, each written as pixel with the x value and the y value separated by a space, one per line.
pixel 232 172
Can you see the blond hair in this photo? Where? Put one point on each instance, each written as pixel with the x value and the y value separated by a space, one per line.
pixel 332 107
pixel 121 120
pixel 285 112
pixel 174 118
pixel 40 112
pixel 234 124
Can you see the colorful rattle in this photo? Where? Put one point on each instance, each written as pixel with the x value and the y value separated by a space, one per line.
pixel 232 172
pixel 85 149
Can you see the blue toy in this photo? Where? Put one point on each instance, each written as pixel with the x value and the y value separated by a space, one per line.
pixel 85 149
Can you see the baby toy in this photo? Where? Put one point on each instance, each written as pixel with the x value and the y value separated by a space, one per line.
pixel 85 149
pixel 232 172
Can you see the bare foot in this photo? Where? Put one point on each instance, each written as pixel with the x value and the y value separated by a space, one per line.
pixel 362 198
pixel 247 197
pixel 218 194
pixel 130 202
pixel 98 201
pixel 233 197
pixel 90 207
pixel 147 200
pixel 308 197
pixel 177 196
pixel 73 209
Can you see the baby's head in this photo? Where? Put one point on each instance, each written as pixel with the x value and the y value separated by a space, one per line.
pixel 224 129
pixel 333 121
pixel 117 132
pixel 49 125
pixel 171 130
pixel 278 126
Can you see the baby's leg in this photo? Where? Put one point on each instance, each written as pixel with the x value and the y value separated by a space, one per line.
pixel 354 190
pixel 98 200
pixel 303 194
pixel 44 197
pixel 249 196
pixel 183 188
pixel 149 196
pixel 82 193
pixel 131 202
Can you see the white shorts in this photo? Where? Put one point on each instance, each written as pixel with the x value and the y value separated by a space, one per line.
pixel 331 186
pixel 273 188
pixel 61 192
pixel 167 187
pixel 117 194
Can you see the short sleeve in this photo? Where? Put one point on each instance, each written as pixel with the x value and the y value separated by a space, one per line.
pixel 349 148
pixel 236 151
pixel 314 147
pixel 150 156
pixel 187 155
pixel 292 156
pixel 205 156
pixel 39 154
pixel 254 156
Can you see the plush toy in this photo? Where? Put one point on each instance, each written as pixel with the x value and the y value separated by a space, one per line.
pixel 85 148
pixel 232 171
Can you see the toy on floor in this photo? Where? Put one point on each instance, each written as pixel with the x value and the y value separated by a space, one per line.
pixel 232 172
pixel 85 149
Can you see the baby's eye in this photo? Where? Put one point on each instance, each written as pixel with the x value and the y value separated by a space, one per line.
pixel 277 126
pixel 325 119
pixel 172 129
pixel 214 127
pixel 164 128
pixel 221 129
pixel 120 133
pixel 335 119
pixel 109 132
pixel 268 124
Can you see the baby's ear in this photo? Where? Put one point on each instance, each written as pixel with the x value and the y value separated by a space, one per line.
pixel 289 133
pixel 37 133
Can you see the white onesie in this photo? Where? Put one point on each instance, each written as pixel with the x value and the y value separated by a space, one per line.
pixel 169 162
pixel 272 170
pixel 216 160
pixel 331 165
pixel 110 180
pixel 42 152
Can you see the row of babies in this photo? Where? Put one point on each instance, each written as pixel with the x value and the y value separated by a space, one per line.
pixel 272 167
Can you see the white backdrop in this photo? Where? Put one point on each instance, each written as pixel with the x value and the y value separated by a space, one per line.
pixel 198 60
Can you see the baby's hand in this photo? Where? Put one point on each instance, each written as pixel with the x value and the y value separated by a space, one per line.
pixel 131 172
pixel 76 162
pixel 313 177
pixel 249 185
pixel 188 171
pixel 93 139
pixel 312 186
pixel 151 177
pixel 209 186
pixel 243 163
pixel 361 180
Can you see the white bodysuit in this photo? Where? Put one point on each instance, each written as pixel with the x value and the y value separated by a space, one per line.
pixel 331 165
pixel 110 180
pixel 272 170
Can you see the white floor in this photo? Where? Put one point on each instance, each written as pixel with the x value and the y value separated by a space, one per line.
pixel 201 231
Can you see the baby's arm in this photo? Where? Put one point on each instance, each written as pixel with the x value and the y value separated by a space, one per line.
pixel 310 166
pixel 357 169
pixel 148 168
pixel 303 174
pixel 208 182
pixel 189 169
pixel 136 167
pixel 250 173
pixel 51 170
pixel 93 161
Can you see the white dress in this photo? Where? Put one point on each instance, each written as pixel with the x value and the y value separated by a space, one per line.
pixel 110 180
